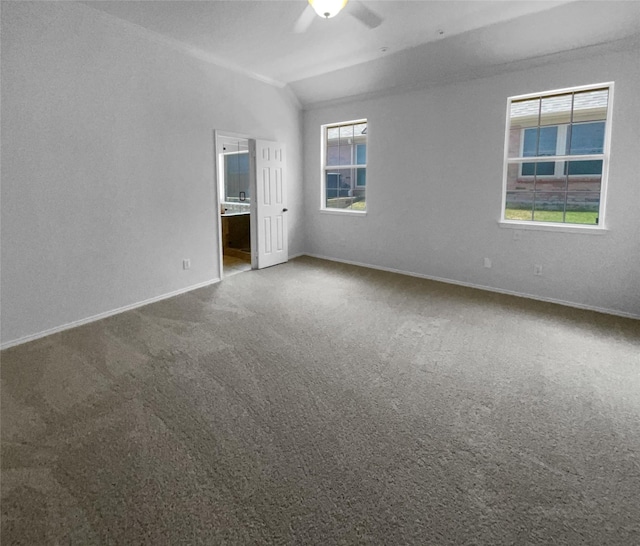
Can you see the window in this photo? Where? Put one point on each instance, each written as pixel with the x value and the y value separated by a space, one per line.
pixel 344 166
pixel 236 177
pixel 556 154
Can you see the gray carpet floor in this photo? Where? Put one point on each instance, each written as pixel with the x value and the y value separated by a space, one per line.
pixel 320 403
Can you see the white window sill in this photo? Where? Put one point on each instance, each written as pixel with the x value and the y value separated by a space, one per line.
pixel 548 226
pixel 344 212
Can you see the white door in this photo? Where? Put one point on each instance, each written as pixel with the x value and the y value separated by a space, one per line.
pixel 269 217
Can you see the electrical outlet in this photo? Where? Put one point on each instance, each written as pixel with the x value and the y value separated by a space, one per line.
pixel 537 269
pixel 487 263
pixel 186 264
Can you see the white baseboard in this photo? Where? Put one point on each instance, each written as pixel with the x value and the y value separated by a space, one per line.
pixel 106 314
pixel 112 312
pixel 483 287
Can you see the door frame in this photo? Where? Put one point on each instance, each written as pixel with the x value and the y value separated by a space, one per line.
pixel 217 172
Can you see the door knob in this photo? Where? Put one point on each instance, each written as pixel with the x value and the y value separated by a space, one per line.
pixel 285 210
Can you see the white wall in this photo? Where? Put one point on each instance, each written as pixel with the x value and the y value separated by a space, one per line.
pixel 107 163
pixel 434 186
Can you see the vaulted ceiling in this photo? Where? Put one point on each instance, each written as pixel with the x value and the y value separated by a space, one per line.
pixel 418 42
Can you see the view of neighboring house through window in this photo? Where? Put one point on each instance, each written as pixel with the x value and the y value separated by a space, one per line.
pixel 345 166
pixel 556 156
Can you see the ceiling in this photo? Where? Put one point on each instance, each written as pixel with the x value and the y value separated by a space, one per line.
pixel 418 42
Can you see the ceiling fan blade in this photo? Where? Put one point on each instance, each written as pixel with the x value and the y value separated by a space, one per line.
pixel 364 14
pixel 304 21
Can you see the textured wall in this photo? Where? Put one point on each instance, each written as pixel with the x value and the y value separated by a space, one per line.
pixel 107 163
pixel 434 186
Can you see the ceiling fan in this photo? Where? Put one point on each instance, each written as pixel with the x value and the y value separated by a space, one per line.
pixel 330 8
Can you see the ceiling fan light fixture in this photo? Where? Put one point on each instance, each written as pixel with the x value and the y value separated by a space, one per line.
pixel 327 8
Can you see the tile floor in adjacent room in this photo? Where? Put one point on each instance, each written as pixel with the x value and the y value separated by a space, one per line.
pixel 232 265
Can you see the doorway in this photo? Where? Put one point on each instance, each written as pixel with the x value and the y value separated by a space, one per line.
pixel 251 191
pixel 234 191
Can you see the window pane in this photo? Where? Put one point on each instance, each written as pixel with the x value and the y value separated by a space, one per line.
pixel 528 169
pixel 551 182
pixel 519 205
pixel 515 138
pixel 333 133
pixel 361 154
pixel 547 140
pixel 549 207
pixel 590 167
pixel 582 208
pixel 524 113
pixel 590 105
pixel 339 185
pixel 541 168
pixel 545 168
pixel 339 203
pixel 346 133
pixel 345 154
pixel 515 181
pixel 346 145
pixel 512 176
pixel 530 143
pixel 556 110
pixel 540 141
pixel 585 138
pixel 584 182
pixel 359 190
pixel 333 155
pixel 360 129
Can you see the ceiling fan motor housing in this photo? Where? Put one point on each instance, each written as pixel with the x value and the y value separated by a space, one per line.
pixel 327 8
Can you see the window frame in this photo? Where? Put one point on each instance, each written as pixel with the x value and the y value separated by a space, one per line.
pixel 604 157
pixel 324 167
